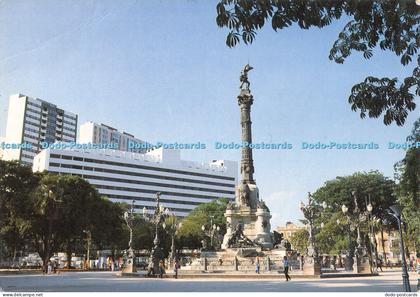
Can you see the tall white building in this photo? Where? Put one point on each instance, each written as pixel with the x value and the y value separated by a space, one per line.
pixel 126 176
pixel 31 121
pixel 91 132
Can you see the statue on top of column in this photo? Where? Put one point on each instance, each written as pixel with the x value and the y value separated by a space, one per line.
pixel 244 77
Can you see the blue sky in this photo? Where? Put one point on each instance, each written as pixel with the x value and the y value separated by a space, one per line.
pixel 161 71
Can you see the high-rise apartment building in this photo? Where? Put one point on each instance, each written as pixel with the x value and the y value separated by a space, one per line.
pixel 103 134
pixel 31 122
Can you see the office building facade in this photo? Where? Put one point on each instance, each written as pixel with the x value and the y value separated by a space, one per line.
pixel 125 176
pixel 31 122
pixel 91 132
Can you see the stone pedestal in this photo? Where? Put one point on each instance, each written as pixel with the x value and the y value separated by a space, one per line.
pixel 254 218
pixel 129 266
pixel 361 264
pixel 311 266
pixel 237 260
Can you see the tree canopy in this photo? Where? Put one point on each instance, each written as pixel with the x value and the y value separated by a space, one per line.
pixel 48 212
pixel 408 175
pixel 190 234
pixel 332 225
pixel 392 25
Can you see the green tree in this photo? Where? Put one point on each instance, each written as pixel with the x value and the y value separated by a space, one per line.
pixel 190 234
pixel 408 175
pixel 393 25
pixel 108 227
pixel 46 228
pixel 78 209
pixel 373 184
pixel 299 240
pixel 143 233
pixel 339 191
pixel 332 238
pixel 16 186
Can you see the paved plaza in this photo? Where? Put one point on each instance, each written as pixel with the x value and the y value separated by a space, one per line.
pixel 389 281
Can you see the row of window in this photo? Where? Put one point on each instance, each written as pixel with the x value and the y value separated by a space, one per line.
pixel 69 123
pixel 153 192
pixel 70 117
pixel 31 136
pixel 33 150
pixel 146 191
pixel 27 157
pixel 32 110
pixel 32 117
pixel 146 183
pixel 71 130
pixel 146 167
pixel 33 104
pixel 67 134
pixel 30 129
pixel 130 173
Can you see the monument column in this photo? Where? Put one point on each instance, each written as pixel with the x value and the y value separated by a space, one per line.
pixel 248 219
pixel 245 100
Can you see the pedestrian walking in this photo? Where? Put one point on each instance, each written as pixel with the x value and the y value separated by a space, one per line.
pixel 379 264
pixel 49 267
pixel 286 268
pixel 161 268
pixel 150 270
pixel 176 267
pixel 257 265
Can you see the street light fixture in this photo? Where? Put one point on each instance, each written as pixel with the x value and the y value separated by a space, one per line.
pixel 396 212
pixel 172 230
pixel 212 230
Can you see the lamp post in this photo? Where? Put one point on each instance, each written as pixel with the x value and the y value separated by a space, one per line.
pixel 373 251
pixel 360 262
pixel 157 218
pixel 311 264
pixel 396 212
pixel 350 249
pixel 172 230
pixel 211 231
pixel 129 266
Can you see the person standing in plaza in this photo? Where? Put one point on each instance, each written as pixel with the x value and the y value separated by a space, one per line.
pixel 379 264
pixel 161 268
pixel 257 265
pixel 286 268
pixel 176 267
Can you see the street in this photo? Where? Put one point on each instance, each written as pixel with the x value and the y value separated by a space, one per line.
pixel 388 281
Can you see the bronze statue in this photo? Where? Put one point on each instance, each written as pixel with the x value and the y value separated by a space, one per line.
pixel 277 238
pixel 244 76
pixel 238 239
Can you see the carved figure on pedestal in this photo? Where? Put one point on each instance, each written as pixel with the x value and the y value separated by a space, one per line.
pixel 238 239
pixel 278 238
